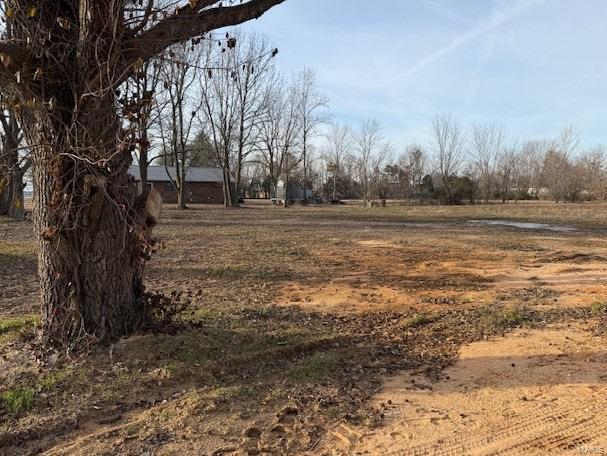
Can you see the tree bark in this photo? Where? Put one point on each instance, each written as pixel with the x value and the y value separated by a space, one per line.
pixel 90 250
pixel 334 186
pixel 11 184
pixel 144 146
pixel 286 201
pixel 91 242
pixel 237 185
pixel 6 194
pixel 17 203
pixel 180 174
pixel 228 197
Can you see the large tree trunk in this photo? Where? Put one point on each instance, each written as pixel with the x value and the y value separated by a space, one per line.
pixel 91 241
pixel 237 184
pixel 228 196
pixel 144 146
pixel 181 205
pixel 90 273
pixel 11 181
pixel 6 193
pixel 17 203
pixel 334 186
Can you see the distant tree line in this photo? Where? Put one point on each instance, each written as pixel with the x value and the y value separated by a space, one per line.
pixel 478 164
pixel 228 106
pixel 457 166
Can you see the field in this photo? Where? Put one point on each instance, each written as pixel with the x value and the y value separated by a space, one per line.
pixel 332 330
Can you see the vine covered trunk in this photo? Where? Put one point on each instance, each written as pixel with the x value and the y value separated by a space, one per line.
pixel 91 246
pixel 91 241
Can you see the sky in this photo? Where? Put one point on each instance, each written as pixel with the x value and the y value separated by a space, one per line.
pixel 533 66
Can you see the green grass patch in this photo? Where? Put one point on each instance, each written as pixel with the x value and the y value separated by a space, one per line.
pixel 226 272
pixel 598 308
pixel 315 367
pixel 241 272
pixel 505 318
pixel 18 248
pixel 187 347
pixel 17 401
pixel 420 320
pixel 69 377
pixel 11 328
pixel 227 392
pixel 207 314
pixel 16 324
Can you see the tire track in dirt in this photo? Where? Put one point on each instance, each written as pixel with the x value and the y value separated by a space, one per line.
pixel 545 433
pixel 553 402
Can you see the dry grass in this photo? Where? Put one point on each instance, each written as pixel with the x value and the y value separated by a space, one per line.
pixel 588 214
pixel 306 307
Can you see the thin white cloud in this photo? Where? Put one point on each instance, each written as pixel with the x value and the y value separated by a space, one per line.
pixel 487 51
pixel 497 19
pixel 445 11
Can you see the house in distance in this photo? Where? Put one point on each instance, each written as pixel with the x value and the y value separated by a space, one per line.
pixel 202 186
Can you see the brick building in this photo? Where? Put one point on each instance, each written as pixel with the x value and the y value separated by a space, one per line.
pixel 202 186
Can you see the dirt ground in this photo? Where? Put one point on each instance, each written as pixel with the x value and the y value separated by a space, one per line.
pixel 331 331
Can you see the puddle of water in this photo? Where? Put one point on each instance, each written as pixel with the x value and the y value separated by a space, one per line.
pixel 526 226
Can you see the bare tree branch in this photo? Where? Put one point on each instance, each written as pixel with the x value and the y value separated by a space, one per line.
pixel 189 22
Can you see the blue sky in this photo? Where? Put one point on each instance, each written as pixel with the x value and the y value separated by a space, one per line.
pixel 533 66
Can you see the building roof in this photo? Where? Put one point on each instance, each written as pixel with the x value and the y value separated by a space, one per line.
pixel 193 174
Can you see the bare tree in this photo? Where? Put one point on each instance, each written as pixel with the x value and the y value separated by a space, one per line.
pixel 220 110
pixel 413 162
pixel 379 161
pixel 568 141
pixel 576 186
pixel 531 162
pixel 447 144
pixel 554 174
pixel 486 145
pixel 594 165
pixel 279 134
pixel 232 97
pixel 368 143
pixel 311 103
pixel 558 165
pixel 62 70
pixel 339 142
pixel 507 171
pixel 257 72
pixel 139 106
pixel 176 115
